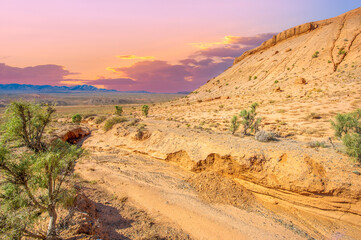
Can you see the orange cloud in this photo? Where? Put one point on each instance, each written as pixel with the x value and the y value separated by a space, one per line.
pixel 248 41
pixel 131 57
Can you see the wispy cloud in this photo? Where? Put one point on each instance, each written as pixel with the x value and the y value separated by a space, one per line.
pixel 132 57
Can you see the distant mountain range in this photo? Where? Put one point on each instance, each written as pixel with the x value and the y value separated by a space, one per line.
pixel 27 88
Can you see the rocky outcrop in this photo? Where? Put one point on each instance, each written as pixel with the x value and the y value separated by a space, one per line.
pixel 72 134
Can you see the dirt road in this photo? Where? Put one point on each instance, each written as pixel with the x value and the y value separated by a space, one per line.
pixel 160 189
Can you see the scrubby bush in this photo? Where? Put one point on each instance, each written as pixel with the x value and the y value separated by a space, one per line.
pixel 317 144
pixel 347 127
pixel 118 110
pixel 140 132
pixel 145 110
pixel 109 123
pixel 26 122
pixel 264 136
pixel 100 119
pixel 234 125
pixel 76 118
pixel 249 121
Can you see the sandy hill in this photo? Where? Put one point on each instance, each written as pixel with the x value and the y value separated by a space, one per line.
pixel 323 53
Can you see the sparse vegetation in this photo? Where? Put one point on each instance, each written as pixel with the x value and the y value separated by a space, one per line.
pixel 347 127
pixel 118 110
pixel 249 121
pixel 145 110
pixel 276 82
pixel 32 181
pixel 234 125
pixel 112 121
pixel 76 118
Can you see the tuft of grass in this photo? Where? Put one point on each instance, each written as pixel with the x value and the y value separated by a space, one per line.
pixel 315 55
pixel 100 119
pixel 112 121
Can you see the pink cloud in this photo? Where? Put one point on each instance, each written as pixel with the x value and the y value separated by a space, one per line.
pixel 41 74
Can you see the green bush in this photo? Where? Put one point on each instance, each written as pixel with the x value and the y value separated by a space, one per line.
pixel 315 55
pixel 234 125
pixel 76 118
pixel 347 127
pixel 112 121
pixel 249 121
pixel 32 180
pixel 118 110
pixel 145 110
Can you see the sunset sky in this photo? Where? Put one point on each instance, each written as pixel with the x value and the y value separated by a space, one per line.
pixel 153 45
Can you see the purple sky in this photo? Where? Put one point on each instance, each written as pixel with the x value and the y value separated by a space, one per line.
pixel 159 46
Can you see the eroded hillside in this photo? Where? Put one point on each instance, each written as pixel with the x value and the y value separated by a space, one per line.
pixel 176 162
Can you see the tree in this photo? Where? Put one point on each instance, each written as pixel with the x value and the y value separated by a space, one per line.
pixel 145 110
pixel 26 122
pixel 119 110
pixel 76 118
pixel 234 124
pixel 249 120
pixel 347 127
pixel 32 181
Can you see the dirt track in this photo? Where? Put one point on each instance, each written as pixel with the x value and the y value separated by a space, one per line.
pixel 160 189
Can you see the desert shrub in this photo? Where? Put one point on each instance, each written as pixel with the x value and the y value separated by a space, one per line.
pixel 347 127
pixel 118 110
pixel 315 55
pixel 341 51
pixel 352 143
pixel 276 81
pixel 249 121
pixel 264 136
pixel 32 180
pixel 317 144
pixel 100 119
pixel 76 118
pixel 314 115
pixel 109 123
pixel 234 125
pixel 145 110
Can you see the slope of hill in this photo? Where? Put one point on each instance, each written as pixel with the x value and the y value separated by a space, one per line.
pixel 321 54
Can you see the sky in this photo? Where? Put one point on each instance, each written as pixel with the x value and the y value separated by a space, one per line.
pixel 130 45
